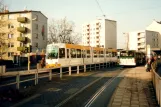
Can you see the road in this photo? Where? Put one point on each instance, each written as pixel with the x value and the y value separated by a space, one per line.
pixel 86 89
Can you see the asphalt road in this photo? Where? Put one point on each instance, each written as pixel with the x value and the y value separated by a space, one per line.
pixel 86 89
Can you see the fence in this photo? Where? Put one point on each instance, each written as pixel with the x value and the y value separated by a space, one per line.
pixel 156 79
pixel 37 73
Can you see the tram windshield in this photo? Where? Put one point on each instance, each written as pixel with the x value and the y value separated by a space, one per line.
pixel 126 54
pixel 52 52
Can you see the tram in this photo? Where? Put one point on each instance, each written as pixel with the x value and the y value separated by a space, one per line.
pixel 131 58
pixel 61 54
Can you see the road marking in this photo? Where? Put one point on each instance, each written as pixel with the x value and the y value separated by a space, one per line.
pixel 70 97
pixel 102 89
pixel 26 100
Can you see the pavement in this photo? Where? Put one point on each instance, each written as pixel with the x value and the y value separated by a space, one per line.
pixel 135 90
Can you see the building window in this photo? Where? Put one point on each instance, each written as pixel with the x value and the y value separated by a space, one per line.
pixel 36 36
pixel 23 15
pixel 21 44
pixel 35 17
pixel 21 24
pixel 10 36
pixel 11 17
pixel 36 26
pixel 10 26
pixel 36 45
pixel 2 17
pixel 10 45
pixel 10 54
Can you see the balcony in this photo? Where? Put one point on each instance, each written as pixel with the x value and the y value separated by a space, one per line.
pixel 22 29
pixel 97 37
pixel 22 19
pixel 22 49
pixel 21 39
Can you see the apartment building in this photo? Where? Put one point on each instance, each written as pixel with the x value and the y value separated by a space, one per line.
pixel 140 39
pixel 155 29
pixel 25 31
pixel 100 33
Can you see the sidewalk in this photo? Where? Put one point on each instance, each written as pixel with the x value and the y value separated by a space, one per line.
pixel 135 90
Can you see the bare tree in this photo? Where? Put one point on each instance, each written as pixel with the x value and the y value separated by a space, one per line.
pixel 62 31
pixel 2 6
pixel 3 32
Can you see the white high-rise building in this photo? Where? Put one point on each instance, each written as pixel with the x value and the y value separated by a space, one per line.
pixel 140 39
pixel 100 33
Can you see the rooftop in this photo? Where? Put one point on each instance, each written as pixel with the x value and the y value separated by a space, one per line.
pixel 15 12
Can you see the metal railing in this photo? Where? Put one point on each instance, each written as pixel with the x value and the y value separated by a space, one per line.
pixel 49 72
pixel 156 79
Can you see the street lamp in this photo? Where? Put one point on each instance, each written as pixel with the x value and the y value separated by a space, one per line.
pixel 127 44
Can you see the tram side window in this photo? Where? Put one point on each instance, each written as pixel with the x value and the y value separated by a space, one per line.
pixel 107 54
pixel 83 54
pixel 114 54
pixel 110 54
pixel 67 53
pixel 61 52
pixel 95 53
pixel 73 53
pixel 78 53
pixel 88 54
pixel 101 54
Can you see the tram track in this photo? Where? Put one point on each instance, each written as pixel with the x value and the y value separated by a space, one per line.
pixel 87 85
pixel 87 95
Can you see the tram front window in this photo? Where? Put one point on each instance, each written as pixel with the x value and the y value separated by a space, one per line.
pixel 130 53
pixel 123 54
pixel 52 53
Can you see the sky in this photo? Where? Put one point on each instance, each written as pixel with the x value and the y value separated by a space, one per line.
pixel 131 15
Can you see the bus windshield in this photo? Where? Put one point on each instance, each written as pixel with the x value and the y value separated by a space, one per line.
pixel 52 52
pixel 126 54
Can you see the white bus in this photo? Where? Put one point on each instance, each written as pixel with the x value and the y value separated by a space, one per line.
pixel 131 58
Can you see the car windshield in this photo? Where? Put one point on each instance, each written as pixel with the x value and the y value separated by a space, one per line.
pixel 52 52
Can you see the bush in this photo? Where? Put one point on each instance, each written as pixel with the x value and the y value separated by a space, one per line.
pixel 8 63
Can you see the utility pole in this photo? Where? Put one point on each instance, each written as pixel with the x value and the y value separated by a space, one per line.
pixel 127 43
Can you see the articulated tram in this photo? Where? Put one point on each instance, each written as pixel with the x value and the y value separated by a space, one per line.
pixel 61 54
pixel 131 58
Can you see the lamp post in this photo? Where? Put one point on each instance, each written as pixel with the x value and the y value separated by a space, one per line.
pixel 28 61
pixel 127 44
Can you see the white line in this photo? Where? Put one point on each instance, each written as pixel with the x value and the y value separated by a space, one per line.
pixel 26 100
pixel 102 89
pixel 63 102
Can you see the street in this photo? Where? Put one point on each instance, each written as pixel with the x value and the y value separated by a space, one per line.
pixel 76 90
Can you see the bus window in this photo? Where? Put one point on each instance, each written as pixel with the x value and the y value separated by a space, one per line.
pixel 61 52
pixel 73 53
pixel 88 54
pixel 123 54
pixel 67 53
pixel 78 53
pixel 130 53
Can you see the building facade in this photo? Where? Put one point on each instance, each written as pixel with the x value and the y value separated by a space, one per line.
pixel 25 32
pixel 140 39
pixel 155 29
pixel 100 33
